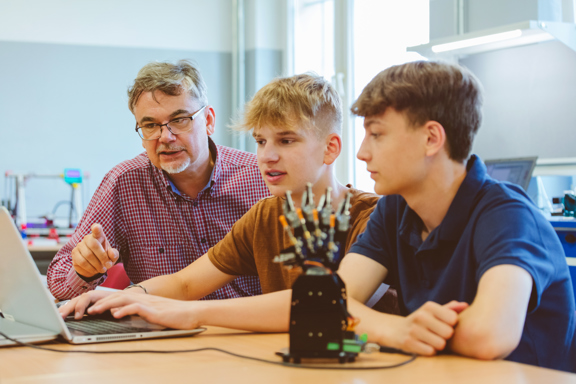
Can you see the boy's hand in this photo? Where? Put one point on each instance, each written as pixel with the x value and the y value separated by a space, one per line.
pixel 427 330
pixel 78 305
pixel 170 313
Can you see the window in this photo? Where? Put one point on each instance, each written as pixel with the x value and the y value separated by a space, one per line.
pixel 314 37
pixel 382 31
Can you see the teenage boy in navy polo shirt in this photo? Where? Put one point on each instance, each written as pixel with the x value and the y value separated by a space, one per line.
pixel 478 269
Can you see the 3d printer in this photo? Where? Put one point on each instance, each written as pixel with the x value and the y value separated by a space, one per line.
pixel 17 205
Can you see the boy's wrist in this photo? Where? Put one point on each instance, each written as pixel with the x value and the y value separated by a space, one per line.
pixel 141 289
pixel 389 329
pixel 198 313
pixel 380 329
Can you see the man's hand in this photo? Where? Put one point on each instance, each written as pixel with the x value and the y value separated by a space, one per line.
pixel 154 309
pixel 426 330
pixel 78 305
pixel 93 255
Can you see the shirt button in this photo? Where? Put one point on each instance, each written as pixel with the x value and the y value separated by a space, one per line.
pixel 160 250
pixel 203 241
pixel 195 203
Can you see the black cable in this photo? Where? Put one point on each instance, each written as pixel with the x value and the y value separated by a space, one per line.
pixel 394 350
pixel 71 207
pixel 58 204
pixel 411 359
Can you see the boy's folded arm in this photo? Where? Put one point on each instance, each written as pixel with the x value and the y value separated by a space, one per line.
pixel 361 275
pixel 491 328
pixel 424 332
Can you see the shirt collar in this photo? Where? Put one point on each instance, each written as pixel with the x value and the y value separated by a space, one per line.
pixel 410 228
pixel 458 213
pixel 453 224
pixel 216 170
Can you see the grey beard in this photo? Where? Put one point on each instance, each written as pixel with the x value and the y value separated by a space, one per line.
pixel 175 168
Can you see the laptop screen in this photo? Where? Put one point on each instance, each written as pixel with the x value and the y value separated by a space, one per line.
pixel 517 171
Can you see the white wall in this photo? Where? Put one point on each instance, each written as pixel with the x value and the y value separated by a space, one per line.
pixel 529 101
pixel 529 91
pixel 197 25
pixel 65 66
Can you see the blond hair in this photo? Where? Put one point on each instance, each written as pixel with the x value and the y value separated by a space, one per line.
pixel 306 100
pixel 428 90
pixel 168 78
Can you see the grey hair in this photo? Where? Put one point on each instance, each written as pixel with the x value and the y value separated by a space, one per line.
pixel 168 78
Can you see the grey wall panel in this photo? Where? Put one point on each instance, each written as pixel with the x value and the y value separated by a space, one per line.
pixel 484 14
pixel 262 65
pixel 529 101
pixel 443 18
pixel 66 106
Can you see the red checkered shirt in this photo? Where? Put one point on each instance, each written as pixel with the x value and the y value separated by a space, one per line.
pixel 158 231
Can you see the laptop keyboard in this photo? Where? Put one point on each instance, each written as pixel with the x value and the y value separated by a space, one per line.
pixel 102 327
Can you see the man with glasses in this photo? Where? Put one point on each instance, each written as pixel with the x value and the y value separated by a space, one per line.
pixel 166 207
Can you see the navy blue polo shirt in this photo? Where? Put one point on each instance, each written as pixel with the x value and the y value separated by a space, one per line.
pixel 489 223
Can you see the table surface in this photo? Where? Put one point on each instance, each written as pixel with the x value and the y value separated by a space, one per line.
pixel 26 365
pixel 43 246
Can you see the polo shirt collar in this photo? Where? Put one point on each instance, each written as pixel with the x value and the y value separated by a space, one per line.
pixel 454 222
pixel 452 226
pixel 411 228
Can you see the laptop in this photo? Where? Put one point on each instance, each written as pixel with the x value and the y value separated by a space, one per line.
pixel 517 171
pixel 28 314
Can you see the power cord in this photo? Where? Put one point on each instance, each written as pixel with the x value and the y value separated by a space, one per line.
pixel 291 365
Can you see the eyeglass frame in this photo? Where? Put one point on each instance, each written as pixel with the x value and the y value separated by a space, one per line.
pixel 192 117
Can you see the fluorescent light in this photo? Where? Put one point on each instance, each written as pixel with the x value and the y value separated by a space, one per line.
pixel 507 36
pixel 477 41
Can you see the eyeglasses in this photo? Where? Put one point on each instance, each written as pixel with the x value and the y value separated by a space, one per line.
pixel 153 131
